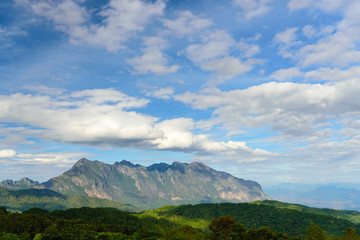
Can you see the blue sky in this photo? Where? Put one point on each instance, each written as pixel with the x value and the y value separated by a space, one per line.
pixel 266 90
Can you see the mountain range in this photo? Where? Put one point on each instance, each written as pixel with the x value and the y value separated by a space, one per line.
pixel 21 184
pixel 153 186
pixel 333 195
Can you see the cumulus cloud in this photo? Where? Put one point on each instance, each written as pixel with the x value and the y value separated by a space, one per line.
pixel 253 8
pixel 302 111
pixel 105 117
pixel 121 20
pixel 153 60
pixel 227 67
pixel 7 153
pixel 213 54
pixel 178 137
pixel 187 23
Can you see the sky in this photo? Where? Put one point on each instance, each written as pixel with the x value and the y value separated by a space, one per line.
pixel 267 90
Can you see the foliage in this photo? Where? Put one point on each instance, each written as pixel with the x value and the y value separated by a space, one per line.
pixel 353 216
pixel 314 232
pixel 24 199
pixel 288 221
pixel 351 234
pixel 112 224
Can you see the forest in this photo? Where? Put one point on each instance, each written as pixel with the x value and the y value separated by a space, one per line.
pixel 110 223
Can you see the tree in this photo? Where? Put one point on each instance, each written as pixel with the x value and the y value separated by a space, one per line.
pixel 221 228
pixel 238 232
pixel 184 233
pixel 351 234
pixel 314 232
pixel 9 236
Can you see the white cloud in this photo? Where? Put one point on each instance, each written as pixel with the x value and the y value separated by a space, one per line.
pixel 286 74
pixel 248 50
pixel 36 165
pixel 215 45
pixel 227 67
pixel 7 153
pixel 163 93
pixel 253 8
pixel 334 74
pixel 178 137
pixel 286 40
pixel 153 60
pixel 7 34
pixel 324 5
pixel 302 111
pixel 309 31
pixel 336 45
pixel 214 55
pixel 44 89
pixel 98 117
pixel 122 19
pixel 186 24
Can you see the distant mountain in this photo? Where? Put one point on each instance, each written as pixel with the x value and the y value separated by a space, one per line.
pixel 21 184
pixel 335 195
pixel 154 186
pixel 24 199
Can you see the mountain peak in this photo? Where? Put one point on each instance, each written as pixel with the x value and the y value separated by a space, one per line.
pixel 22 183
pixel 161 167
pixel 125 163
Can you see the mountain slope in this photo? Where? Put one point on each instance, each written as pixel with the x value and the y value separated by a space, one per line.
pixel 350 215
pixel 154 186
pixel 289 221
pixel 50 200
pixel 21 184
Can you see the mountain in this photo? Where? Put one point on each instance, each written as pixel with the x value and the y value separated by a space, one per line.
pixel 154 186
pixel 334 195
pixel 24 199
pixel 21 184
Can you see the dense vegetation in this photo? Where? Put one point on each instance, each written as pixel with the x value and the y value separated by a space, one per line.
pixel 352 216
pixel 110 223
pixel 289 221
pixel 24 199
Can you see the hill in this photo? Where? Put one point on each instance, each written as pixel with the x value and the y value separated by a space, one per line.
pixel 351 215
pixel 154 186
pixel 24 199
pixel 289 221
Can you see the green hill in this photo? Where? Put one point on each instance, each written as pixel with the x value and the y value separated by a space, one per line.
pixel 352 216
pixel 281 219
pixel 24 199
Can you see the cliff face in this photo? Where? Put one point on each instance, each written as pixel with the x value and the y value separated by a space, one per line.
pixel 154 186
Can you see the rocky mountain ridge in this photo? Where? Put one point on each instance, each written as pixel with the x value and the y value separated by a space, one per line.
pixel 154 186
pixel 21 184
